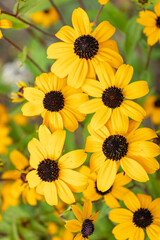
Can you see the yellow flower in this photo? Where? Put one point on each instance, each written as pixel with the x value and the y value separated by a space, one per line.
pixel 4 118
pixel 19 186
pixel 84 223
pixel 142 2
pixel 46 17
pixel 52 228
pixel 20 120
pixel 5 140
pixel 18 96
pixel 4 23
pixel 111 95
pixel 82 50
pixel 116 191
pixel 131 150
pixel 142 215
pixel 151 21
pixel 152 107
pixel 52 175
pixel 55 101
pixel 103 2
pixel 7 198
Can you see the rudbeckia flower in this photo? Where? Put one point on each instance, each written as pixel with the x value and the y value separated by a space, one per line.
pixel 85 222
pixel 4 23
pixel 103 2
pixel 52 173
pixel 55 101
pixel 19 185
pixel 18 96
pixel 131 150
pixel 116 192
pixel 82 50
pixel 5 140
pixel 4 118
pixel 151 21
pixel 113 95
pixel 152 107
pixel 46 18
pixel 141 215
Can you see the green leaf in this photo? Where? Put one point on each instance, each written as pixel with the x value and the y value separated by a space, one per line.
pixel 16 24
pixel 22 56
pixel 14 231
pixel 133 34
pixel 153 186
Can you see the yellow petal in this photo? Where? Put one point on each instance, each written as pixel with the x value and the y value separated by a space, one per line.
pixel 157 8
pixel 123 75
pixel 55 121
pixel 144 149
pixel 145 200
pixel 103 31
pixel 78 237
pixel 134 170
pixel 77 212
pixel 44 135
pixel 142 134
pixel 19 160
pixel 93 88
pixel 111 201
pixel 69 120
pixel 73 225
pixel 131 201
pixel 122 179
pixel 73 159
pixel 138 233
pixel 123 230
pixel 133 110
pixel 80 22
pixel 120 215
pixel 153 38
pixel 136 90
pixel 32 109
pixel 153 231
pixel 91 106
pixel 33 94
pixel 66 34
pixel 64 192
pixel 119 121
pixel 87 209
pixel 4 23
pixel 106 175
pixel 36 148
pixel 50 193
pixel 73 178
pixel 93 144
pixel 100 117
pixel 94 217
pixel 60 49
pixel 33 178
pixel 97 161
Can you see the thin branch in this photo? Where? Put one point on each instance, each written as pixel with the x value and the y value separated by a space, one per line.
pixel 30 24
pixel 17 9
pixel 99 11
pixel 148 58
pixel 82 4
pixel 60 15
pixel 28 57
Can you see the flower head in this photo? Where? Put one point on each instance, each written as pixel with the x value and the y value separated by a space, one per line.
pixel 85 222
pixel 142 214
pixel 46 17
pixel 18 96
pixel 5 140
pixel 4 23
pixel 82 50
pixel 55 101
pixel 113 95
pixel 131 150
pixel 52 173
pixel 151 21
pixel 103 2
pixel 152 107
pixel 116 191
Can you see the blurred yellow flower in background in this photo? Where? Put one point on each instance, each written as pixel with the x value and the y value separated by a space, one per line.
pixel 103 2
pixel 152 107
pixel 4 23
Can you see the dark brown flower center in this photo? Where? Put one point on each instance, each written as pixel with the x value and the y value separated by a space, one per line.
pixel 158 22
pixel 112 97
pixel 48 170
pixel 102 193
pixel 46 11
pixel 142 218
pixel 87 228
pixel 115 147
pixel 86 47
pixel 23 177
pixel 53 101
pixel 20 92
pixel 157 103
pixel 143 1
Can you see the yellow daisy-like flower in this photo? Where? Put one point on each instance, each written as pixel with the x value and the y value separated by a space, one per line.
pixel 4 23
pixel 4 118
pixel 111 97
pixel 151 21
pixel 5 140
pixel 142 2
pixel 82 50
pixel 103 2
pixel 152 107
pixel 55 101
pixel 20 120
pixel 131 150
pixel 142 215
pixel 19 186
pixel 7 198
pixel 116 191
pixel 85 222
pixel 18 96
pixel 52 174
pixel 46 18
